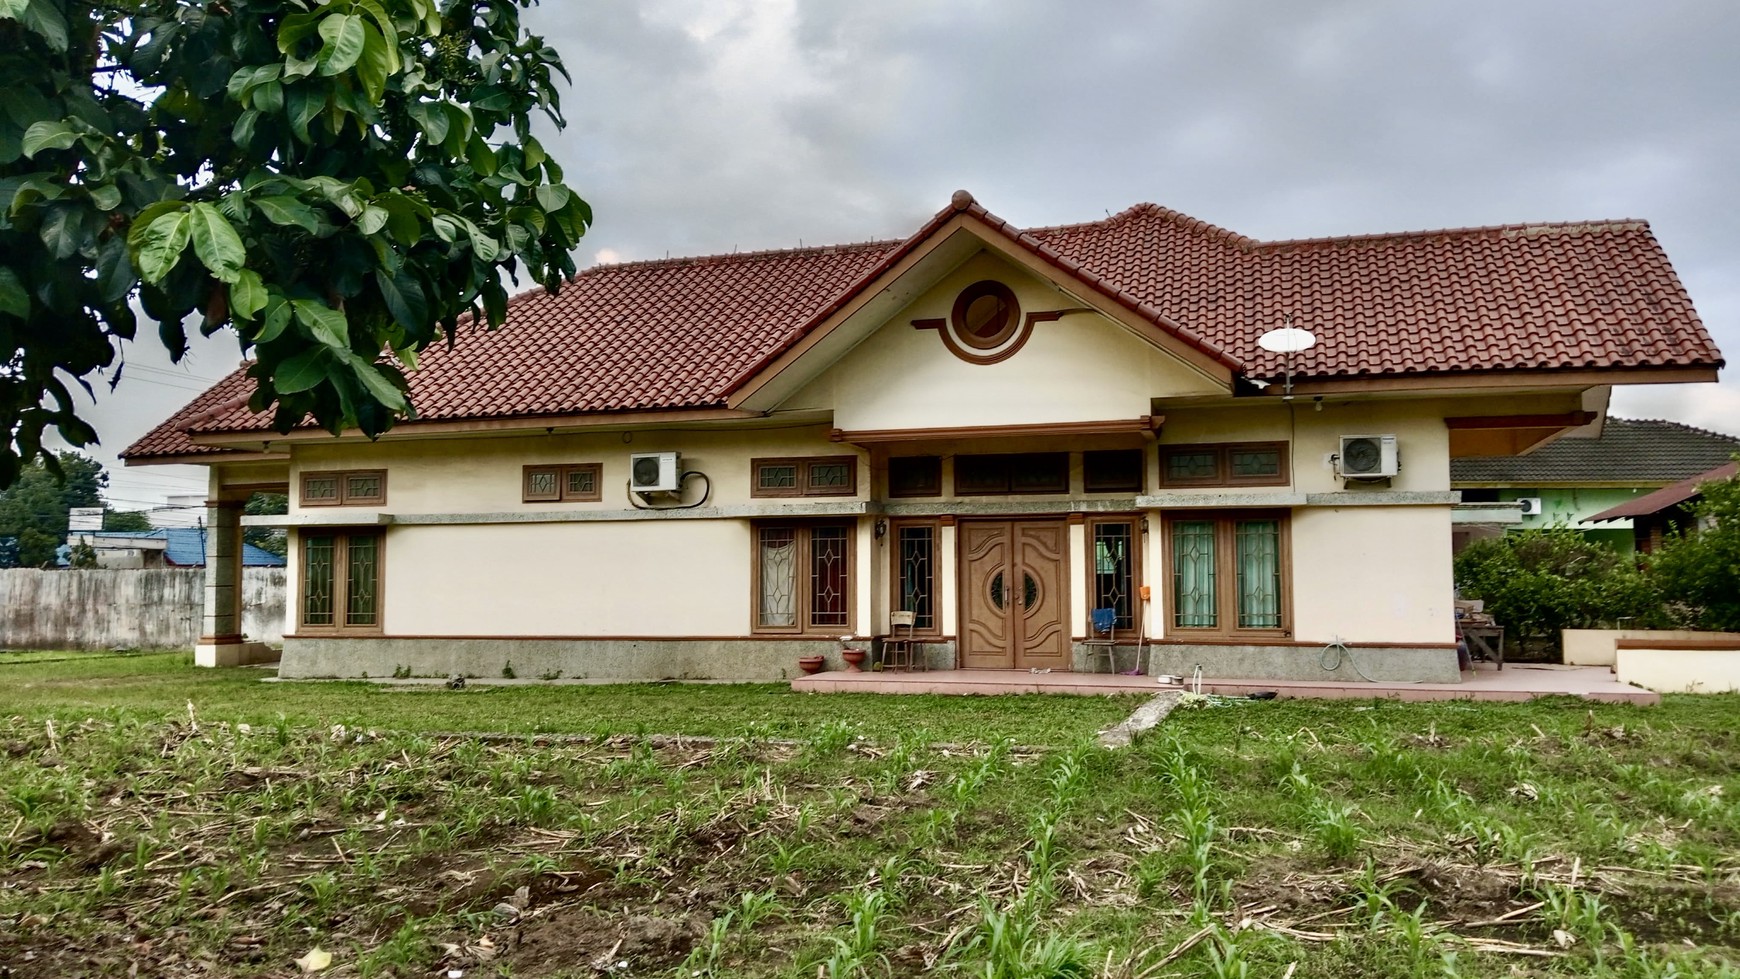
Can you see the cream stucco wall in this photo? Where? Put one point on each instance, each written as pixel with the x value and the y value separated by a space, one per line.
pixel 482 475
pixel 1083 367
pixel 1682 670
pixel 1372 574
pixel 1597 647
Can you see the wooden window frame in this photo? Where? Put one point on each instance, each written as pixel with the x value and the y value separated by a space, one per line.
pixel 934 630
pixel 342 537
pixel 803 595
pixel 1226 560
pixel 1087 482
pixel 1009 468
pixel 343 478
pixel 1134 521
pixel 931 489
pixel 1223 475
pixel 801 483
pixel 561 473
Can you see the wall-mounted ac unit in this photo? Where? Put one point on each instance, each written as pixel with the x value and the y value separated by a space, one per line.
pixel 654 472
pixel 1531 505
pixel 1367 457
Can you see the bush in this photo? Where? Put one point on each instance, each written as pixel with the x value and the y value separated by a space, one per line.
pixel 1699 573
pixel 1540 581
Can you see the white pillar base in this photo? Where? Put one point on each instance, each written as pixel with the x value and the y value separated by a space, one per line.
pixel 213 654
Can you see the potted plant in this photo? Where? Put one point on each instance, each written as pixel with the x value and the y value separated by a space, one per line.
pixel 853 655
pixel 812 663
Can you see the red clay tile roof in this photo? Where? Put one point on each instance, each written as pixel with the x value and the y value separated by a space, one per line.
pixel 685 333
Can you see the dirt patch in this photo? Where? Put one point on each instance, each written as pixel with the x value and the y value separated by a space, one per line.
pixel 578 939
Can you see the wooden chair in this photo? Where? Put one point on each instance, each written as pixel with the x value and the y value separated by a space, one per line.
pixel 899 651
pixel 1100 642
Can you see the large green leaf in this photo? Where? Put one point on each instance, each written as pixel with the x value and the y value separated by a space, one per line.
pixel 216 243
pixel 160 245
pixel 14 300
pixel 325 323
pixel 48 135
pixel 247 295
pixel 64 230
pixel 278 315
pixel 383 390
pixel 430 117
pixel 288 211
pixel 115 275
pixel 404 298
pixel 344 37
pixel 301 372
pixel 552 197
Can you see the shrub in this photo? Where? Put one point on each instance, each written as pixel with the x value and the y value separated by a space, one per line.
pixel 1699 573
pixel 1540 581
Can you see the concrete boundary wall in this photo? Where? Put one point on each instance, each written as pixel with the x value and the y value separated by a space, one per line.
pixel 1595 647
pixel 1681 666
pixel 150 608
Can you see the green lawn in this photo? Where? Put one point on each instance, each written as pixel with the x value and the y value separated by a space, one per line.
pixel 848 836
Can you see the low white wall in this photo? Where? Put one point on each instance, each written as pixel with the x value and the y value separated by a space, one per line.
pixel 1690 666
pixel 153 608
pixel 1595 647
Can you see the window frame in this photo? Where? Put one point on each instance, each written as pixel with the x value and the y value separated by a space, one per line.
pixel 804 598
pixel 562 471
pixel 801 482
pixel 1091 571
pixel 935 524
pixel 1226 570
pixel 1223 474
pixel 341 544
pixel 1009 466
pixel 343 478
pixel 933 488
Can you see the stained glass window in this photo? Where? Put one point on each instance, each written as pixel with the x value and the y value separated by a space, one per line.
pixel 820 476
pixel 1114 571
pixel 1259 570
pixel 319 489
pixel 1193 569
pixel 917 557
pixel 362 578
pixel 317 573
pixel 361 487
pixel 803 579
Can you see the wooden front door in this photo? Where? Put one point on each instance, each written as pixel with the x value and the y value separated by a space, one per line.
pixel 1014 598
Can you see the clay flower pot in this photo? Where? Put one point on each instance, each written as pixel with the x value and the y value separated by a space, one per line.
pixel 811 664
pixel 853 657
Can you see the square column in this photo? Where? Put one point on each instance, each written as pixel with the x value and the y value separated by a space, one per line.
pixel 221 642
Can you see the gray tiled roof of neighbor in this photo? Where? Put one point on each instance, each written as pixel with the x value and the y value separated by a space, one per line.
pixel 1628 451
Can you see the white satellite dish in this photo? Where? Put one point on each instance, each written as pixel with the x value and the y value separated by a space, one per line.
pixel 1287 340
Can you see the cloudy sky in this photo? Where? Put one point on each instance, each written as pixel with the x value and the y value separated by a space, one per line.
pixel 700 126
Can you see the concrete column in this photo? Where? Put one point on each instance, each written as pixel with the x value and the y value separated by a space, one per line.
pixel 221 642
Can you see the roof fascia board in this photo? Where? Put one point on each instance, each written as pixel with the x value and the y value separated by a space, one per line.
pixel 1486 381
pixel 205 458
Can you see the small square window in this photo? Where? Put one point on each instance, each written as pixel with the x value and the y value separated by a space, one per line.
pixel 915 476
pixel 829 475
pixel 362 488
pixel 1192 467
pixel 541 483
pixel 1116 471
pixel 319 489
pixel 1254 463
pixel 1225 464
pixel 582 483
pixel 777 476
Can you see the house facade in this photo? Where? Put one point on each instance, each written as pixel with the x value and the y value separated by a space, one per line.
pixel 709 467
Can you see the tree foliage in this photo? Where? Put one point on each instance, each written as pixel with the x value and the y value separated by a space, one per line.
pixel 271 539
pixel 33 510
pixel 1538 582
pixel 125 520
pixel 336 182
pixel 1699 572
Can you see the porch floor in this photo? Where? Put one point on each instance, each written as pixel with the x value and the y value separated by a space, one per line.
pixel 1517 681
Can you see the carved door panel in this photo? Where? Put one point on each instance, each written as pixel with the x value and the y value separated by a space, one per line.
pixel 1041 606
pixel 1014 597
pixel 986 635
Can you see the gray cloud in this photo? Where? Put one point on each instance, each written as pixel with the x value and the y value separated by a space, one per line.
pixel 708 125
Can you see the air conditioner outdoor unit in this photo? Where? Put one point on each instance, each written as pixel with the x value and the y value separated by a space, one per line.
pixel 1367 457
pixel 1531 505
pixel 654 472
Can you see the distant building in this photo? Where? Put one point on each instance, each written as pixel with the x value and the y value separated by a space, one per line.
pixel 171 547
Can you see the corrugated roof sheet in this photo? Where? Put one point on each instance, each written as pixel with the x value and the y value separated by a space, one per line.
pixel 1667 496
pixel 1628 451
pixel 684 333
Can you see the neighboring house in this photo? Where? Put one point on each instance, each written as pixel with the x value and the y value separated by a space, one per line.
pixel 1567 482
pixel 173 547
pixel 707 467
pixel 1666 511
